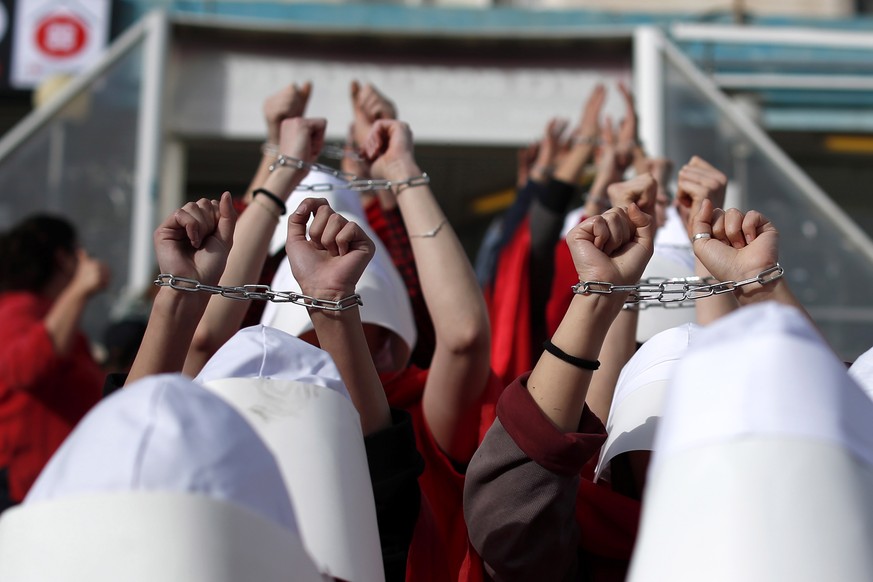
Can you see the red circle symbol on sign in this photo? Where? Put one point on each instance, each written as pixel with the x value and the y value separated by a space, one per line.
pixel 61 36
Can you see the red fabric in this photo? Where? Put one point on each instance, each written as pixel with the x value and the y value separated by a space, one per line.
pixel 42 395
pixel 509 309
pixel 607 520
pixel 565 277
pixel 388 226
pixel 539 438
pixel 441 532
pixel 608 523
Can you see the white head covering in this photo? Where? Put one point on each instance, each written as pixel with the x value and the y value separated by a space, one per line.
pixel 673 258
pixel 293 397
pixel 862 371
pixel 165 433
pixel 763 463
pixel 386 300
pixel 161 481
pixel 639 395
pixel 260 351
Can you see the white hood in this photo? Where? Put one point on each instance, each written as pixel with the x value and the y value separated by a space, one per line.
pixel 763 462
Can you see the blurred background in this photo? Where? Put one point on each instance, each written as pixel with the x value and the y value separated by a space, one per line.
pixel 115 112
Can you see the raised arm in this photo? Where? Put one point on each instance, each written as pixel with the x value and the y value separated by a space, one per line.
pixel 698 180
pixel 62 321
pixel 461 363
pixel 328 265
pixel 627 143
pixel 737 246
pixel 521 488
pixel 192 243
pixel 368 106
pixel 620 342
pixel 614 247
pixel 583 139
pixel 301 139
pixel 287 103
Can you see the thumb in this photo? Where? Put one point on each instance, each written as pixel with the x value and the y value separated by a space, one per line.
pixel 300 217
pixel 297 223
pixel 226 220
pixel 701 222
pixel 355 90
pixel 377 140
pixel 643 223
pixel 305 92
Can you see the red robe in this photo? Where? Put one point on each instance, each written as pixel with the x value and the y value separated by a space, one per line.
pixel 42 394
pixel 611 515
pixel 440 548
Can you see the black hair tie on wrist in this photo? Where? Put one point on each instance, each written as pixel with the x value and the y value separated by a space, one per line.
pixel 273 197
pixel 572 360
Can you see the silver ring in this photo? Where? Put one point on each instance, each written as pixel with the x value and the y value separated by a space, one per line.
pixel 699 236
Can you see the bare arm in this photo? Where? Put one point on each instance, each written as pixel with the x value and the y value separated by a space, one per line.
pixel 461 363
pixel 620 342
pixel 62 320
pixel 288 102
pixel 741 247
pixel 698 181
pixel 613 247
pixel 583 138
pixel 302 139
pixel 193 243
pixel 327 266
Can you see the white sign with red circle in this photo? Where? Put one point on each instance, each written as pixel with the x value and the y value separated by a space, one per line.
pixel 56 37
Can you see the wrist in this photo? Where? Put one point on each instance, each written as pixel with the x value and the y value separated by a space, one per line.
pixel 74 293
pixel 401 169
pixel 328 293
pixel 597 308
pixel 771 291
pixel 283 180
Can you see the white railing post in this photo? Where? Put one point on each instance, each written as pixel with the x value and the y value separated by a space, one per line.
pixel 149 135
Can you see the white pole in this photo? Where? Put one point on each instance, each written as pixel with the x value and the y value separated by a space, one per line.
pixel 649 88
pixel 148 137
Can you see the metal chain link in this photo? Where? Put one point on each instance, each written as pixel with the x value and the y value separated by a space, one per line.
pixel 680 292
pixel 257 293
pixel 350 181
pixel 282 161
pixel 338 152
pixel 368 185
pixel 328 150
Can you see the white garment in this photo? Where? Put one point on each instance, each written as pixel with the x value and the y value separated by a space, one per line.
pixel 385 297
pixel 160 481
pixel 291 394
pixel 165 433
pixel 763 462
pixel 638 400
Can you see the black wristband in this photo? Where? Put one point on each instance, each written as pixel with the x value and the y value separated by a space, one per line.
pixel 273 197
pixel 572 360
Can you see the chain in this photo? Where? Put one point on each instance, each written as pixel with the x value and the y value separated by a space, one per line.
pixel 257 293
pixel 681 292
pixel 329 150
pixel 338 152
pixel 350 181
pixel 368 185
pixel 282 161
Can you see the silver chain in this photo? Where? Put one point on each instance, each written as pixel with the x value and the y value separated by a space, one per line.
pixel 367 185
pixel 301 165
pixel 338 152
pixel 680 292
pixel 257 293
pixel 350 181
pixel 329 150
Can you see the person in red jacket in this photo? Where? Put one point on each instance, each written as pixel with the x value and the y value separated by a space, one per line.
pixel 48 378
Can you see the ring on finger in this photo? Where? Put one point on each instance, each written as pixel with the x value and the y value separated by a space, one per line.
pixel 700 235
